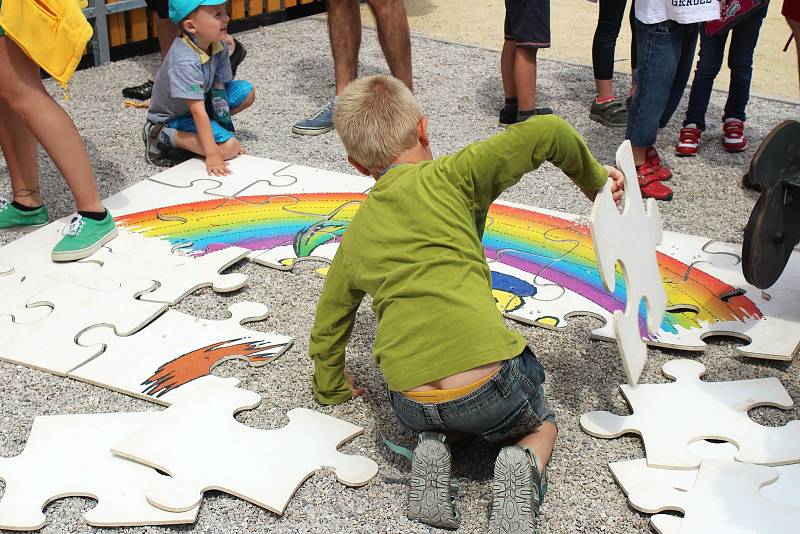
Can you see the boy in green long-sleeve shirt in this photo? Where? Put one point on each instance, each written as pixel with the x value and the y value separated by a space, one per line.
pixel 450 362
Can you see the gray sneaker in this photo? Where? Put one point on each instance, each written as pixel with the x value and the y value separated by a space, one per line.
pixel 518 490
pixel 155 152
pixel 319 123
pixel 430 497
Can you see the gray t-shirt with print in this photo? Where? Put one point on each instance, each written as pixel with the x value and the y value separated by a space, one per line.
pixel 184 75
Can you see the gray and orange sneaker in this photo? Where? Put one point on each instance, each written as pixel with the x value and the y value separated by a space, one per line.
pixel 518 490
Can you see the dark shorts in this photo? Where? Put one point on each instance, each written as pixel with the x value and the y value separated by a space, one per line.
pixel 528 23
pixel 509 405
pixel 161 7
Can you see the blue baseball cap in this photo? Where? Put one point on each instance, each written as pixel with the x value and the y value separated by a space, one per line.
pixel 180 9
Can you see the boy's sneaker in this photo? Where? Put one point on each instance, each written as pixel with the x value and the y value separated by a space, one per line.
pixel 319 123
pixel 650 184
pixel 688 141
pixel 517 491
pixel 508 116
pixel 15 219
pixel 430 495
pixel 652 157
pixel 155 152
pixel 733 139
pixel 139 92
pixel 612 113
pixel 84 237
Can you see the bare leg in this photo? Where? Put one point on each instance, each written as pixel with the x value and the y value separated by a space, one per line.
pixel 507 68
pixel 21 90
pixel 525 77
pixel 394 36
pixel 795 25
pixel 604 88
pixel 344 30
pixel 541 441
pixel 191 142
pixel 167 32
pixel 19 148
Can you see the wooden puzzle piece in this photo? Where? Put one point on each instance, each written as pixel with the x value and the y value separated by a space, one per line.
pixel 725 497
pixel 31 254
pixel 70 456
pixel 630 239
pixel 175 350
pixel 670 416
pixel 630 473
pixel 49 343
pixel 17 291
pixel 133 256
pixel 264 467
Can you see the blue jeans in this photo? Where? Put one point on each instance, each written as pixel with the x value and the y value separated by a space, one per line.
pixel 236 92
pixel 666 51
pixel 744 37
pixel 510 404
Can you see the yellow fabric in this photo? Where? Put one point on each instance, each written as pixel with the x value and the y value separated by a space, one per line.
pixel 443 395
pixel 216 47
pixel 53 33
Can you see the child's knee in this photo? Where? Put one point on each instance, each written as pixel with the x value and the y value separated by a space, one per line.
pixel 230 148
pixel 248 101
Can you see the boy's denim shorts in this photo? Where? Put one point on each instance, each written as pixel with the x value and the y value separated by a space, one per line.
pixel 236 92
pixel 510 404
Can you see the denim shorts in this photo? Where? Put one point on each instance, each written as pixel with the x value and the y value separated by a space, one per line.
pixel 510 404
pixel 236 92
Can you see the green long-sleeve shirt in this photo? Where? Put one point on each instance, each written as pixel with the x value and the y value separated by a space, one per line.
pixel 415 247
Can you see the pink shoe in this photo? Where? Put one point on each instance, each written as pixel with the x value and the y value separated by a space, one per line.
pixel 733 136
pixel 688 142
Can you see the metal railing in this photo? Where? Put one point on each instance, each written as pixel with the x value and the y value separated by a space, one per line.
pixel 99 11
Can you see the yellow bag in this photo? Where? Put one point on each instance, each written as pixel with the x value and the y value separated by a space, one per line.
pixel 53 33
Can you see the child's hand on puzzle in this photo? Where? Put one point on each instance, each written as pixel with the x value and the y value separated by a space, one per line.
pixel 357 391
pixel 617 183
pixel 216 165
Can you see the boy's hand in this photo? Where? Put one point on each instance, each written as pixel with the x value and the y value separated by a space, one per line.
pixel 216 165
pixel 357 391
pixel 617 183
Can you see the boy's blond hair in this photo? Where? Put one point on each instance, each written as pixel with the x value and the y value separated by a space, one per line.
pixel 376 118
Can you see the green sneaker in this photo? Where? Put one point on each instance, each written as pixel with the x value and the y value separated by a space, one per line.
pixel 84 237
pixel 12 218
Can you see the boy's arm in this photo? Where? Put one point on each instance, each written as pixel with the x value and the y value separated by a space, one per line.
pixel 489 167
pixel 215 163
pixel 336 313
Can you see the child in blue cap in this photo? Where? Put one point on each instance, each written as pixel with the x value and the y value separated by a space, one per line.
pixel 194 94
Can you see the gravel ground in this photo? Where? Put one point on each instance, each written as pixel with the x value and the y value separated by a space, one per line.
pixel 459 88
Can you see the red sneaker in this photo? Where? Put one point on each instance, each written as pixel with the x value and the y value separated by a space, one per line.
pixel 733 139
pixel 652 157
pixel 650 185
pixel 688 142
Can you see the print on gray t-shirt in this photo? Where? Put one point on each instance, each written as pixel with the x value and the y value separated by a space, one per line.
pixel 182 76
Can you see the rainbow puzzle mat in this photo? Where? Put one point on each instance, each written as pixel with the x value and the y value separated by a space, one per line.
pixel 543 265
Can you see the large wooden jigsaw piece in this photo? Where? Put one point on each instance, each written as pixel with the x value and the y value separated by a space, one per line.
pixel 17 291
pixel 630 473
pixel 630 238
pixel 49 343
pixel 264 467
pixel 70 455
pixel 175 350
pixel 670 416
pixel 725 498
pixel 133 256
